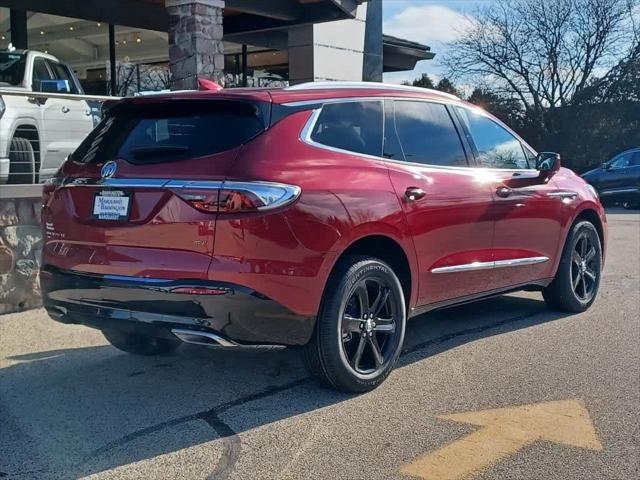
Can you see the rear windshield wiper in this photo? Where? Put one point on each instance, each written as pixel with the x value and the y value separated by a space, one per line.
pixel 159 150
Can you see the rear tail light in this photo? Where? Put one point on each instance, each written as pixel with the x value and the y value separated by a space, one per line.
pixel 238 197
pixel 48 188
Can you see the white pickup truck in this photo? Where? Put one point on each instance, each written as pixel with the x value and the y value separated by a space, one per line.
pixel 36 133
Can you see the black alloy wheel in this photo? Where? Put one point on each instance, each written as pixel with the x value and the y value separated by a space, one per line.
pixel 360 329
pixel 368 326
pixel 584 268
pixel 577 280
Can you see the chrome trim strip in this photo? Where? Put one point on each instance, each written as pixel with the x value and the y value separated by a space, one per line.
pixel 470 267
pixel 518 262
pixel 264 190
pixel 620 190
pixel 571 195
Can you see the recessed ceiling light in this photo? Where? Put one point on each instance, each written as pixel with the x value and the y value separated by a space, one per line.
pixel 41 32
pixel 138 40
pixel 71 28
pixel 98 24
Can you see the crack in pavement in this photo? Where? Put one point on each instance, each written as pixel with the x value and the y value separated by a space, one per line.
pixel 231 439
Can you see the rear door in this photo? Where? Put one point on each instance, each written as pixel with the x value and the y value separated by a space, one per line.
pixel 620 180
pixel 444 200
pixel 140 194
pixel 528 213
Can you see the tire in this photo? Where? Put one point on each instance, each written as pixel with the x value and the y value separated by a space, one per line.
pixel 353 349
pixel 575 286
pixel 21 162
pixel 140 344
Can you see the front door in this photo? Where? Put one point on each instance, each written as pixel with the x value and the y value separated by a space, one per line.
pixel 66 122
pixel 619 182
pixel 446 202
pixel 527 210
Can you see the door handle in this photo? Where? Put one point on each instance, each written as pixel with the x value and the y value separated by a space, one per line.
pixel 65 109
pixel 503 191
pixel 412 194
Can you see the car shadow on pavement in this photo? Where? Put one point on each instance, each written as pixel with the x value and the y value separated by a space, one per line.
pixel 92 409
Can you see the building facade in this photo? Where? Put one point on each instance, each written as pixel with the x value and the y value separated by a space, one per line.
pixel 127 46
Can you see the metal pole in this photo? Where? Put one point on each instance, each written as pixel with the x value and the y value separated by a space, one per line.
pixel 244 65
pixel 112 59
pixel 18 25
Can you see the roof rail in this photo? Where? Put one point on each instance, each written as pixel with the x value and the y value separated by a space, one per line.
pixel 367 85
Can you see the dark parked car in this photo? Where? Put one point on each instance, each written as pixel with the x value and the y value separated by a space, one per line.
pixel 618 180
pixel 316 216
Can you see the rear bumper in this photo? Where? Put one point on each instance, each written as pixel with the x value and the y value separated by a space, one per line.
pixel 148 306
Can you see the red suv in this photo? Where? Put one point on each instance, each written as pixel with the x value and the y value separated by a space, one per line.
pixel 321 216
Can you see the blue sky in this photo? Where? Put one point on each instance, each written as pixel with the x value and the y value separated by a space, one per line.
pixel 431 22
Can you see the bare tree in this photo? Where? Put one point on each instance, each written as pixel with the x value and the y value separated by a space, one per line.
pixel 546 53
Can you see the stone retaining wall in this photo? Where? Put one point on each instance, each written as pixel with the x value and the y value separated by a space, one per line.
pixel 20 248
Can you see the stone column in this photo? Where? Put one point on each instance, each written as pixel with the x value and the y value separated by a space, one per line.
pixel 195 42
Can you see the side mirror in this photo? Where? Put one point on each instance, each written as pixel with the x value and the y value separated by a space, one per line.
pixel 55 86
pixel 548 163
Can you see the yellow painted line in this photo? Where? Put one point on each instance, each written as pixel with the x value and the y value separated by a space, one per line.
pixel 506 431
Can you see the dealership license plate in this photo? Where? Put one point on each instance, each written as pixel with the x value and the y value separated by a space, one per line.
pixel 111 205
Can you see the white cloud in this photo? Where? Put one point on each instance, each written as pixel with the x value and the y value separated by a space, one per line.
pixel 433 25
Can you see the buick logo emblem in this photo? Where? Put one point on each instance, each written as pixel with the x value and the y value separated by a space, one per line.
pixel 108 169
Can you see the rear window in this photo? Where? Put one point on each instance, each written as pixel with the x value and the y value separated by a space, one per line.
pixel 172 130
pixel 12 68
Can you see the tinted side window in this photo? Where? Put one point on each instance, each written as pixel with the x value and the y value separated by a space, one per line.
pixel 622 162
pixel 40 72
pixel 60 72
pixel 427 134
pixel 352 126
pixel 497 147
pixel 635 161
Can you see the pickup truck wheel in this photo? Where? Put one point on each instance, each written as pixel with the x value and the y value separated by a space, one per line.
pixel 140 344
pixel 576 283
pixel 360 330
pixel 21 161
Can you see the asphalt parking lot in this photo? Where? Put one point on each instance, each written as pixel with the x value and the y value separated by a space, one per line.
pixel 71 406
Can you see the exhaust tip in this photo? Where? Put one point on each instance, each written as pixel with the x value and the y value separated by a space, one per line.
pixel 206 339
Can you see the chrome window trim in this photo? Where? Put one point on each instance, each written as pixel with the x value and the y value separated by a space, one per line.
pixel 475 266
pixel 305 135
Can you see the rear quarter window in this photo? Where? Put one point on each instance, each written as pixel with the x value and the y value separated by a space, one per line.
pixel 170 131
pixel 351 126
